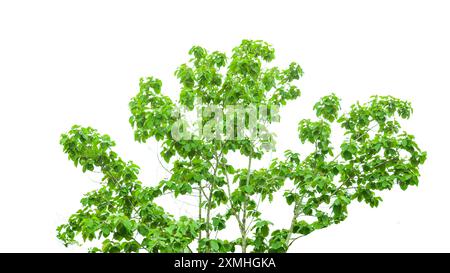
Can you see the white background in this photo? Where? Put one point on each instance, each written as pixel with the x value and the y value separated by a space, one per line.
pixel 66 62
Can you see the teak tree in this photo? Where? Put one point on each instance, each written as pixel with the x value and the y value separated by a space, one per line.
pixel 122 216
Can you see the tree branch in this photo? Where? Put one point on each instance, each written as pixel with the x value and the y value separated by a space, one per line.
pixel 244 214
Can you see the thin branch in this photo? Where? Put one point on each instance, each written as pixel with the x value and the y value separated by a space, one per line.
pixel 189 248
pixel 253 218
pixel 244 216
pixel 160 162
pixel 294 239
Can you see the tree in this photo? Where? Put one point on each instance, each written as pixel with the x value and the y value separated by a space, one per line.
pixel 122 215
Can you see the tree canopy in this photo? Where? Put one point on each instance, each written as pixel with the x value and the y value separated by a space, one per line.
pixel 122 215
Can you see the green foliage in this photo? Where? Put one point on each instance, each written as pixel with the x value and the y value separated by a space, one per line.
pixel 122 215
pixel 328 107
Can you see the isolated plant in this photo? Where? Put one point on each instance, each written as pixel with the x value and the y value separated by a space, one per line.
pixel 122 215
